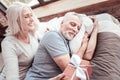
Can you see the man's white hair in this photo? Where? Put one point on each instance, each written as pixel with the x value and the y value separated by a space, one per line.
pixel 68 14
pixel 13 13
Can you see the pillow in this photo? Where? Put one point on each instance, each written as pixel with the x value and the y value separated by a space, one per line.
pixel 53 24
pixel 107 53
pixel 108 23
pixel 106 59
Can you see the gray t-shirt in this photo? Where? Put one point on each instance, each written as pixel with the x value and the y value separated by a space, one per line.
pixel 52 45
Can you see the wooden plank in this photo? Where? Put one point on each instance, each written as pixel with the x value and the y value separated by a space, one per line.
pixel 63 5
pixel 112 7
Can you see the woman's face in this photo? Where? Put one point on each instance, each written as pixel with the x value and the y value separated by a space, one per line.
pixel 3 19
pixel 27 21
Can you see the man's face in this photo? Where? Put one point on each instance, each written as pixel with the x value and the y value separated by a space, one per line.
pixel 70 27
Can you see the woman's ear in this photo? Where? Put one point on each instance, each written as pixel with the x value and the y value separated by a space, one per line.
pixel 18 21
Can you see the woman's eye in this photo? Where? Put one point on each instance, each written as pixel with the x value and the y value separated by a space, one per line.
pixel 26 16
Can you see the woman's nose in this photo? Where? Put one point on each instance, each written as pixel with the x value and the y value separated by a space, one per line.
pixel 31 19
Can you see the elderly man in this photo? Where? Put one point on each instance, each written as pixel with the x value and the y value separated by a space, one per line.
pixel 53 54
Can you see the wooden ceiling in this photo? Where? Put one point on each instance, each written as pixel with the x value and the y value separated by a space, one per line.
pixel 109 6
pixel 43 2
pixel 2 8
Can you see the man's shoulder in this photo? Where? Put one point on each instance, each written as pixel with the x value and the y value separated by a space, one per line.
pixel 52 34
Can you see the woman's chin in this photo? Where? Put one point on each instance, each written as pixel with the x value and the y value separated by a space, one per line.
pixel 32 28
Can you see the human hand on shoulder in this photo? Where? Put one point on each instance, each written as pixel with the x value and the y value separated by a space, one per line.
pixel 95 24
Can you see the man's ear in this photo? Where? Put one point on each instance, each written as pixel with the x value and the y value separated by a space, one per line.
pixel 61 22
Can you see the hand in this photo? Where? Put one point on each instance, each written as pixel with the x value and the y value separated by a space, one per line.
pixel 58 77
pixel 92 17
pixel 95 25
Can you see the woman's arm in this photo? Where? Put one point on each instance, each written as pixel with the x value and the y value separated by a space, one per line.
pixel 10 60
pixel 92 42
pixel 83 47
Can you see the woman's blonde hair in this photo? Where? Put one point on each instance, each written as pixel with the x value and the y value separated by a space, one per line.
pixel 13 13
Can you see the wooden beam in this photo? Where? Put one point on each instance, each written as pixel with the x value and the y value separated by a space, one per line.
pixel 2 8
pixel 112 7
pixel 63 5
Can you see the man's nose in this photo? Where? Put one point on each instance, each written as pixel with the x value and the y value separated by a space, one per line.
pixel 76 29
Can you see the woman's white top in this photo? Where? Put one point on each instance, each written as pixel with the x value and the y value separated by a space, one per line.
pixel 17 57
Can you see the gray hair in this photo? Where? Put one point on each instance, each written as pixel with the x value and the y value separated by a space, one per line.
pixel 68 14
pixel 13 13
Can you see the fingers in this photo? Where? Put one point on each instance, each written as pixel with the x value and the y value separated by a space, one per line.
pixel 95 26
pixel 93 18
pixel 95 23
pixel 47 29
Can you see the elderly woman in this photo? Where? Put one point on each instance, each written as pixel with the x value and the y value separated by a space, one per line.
pixel 20 43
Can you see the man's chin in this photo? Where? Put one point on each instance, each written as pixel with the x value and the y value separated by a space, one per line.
pixel 70 38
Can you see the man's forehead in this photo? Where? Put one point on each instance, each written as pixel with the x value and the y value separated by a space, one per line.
pixel 75 17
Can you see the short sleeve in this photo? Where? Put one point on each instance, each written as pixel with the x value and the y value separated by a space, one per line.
pixel 55 44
